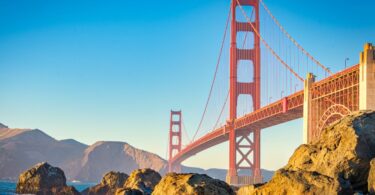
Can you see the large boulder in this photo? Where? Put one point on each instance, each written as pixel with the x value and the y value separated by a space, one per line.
pixel 109 184
pixel 338 162
pixel 143 180
pixel 44 179
pixel 191 184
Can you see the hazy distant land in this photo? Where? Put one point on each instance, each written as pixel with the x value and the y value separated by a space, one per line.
pixel 23 148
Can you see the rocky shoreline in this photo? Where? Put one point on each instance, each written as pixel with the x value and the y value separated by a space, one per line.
pixel 342 161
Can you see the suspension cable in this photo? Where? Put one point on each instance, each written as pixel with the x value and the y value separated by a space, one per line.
pixel 293 40
pixel 184 130
pixel 221 112
pixel 215 74
pixel 267 45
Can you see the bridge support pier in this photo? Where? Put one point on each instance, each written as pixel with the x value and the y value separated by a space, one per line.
pixel 246 146
pixel 175 139
pixel 257 173
pixel 307 108
pixel 367 78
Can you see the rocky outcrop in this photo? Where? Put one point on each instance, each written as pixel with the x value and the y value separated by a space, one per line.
pixel 371 178
pixel 191 184
pixel 143 180
pixel 337 163
pixel 44 179
pixel 128 191
pixel 298 182
pixel 114 179
pixel 109 184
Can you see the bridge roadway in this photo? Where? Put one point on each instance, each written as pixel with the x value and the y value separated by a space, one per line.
pixel 281 111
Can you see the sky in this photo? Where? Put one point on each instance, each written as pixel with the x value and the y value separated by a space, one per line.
pixel 112 70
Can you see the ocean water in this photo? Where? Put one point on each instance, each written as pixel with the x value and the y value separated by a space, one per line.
pixel 8 187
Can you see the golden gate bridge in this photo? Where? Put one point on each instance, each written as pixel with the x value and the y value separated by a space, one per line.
pixel 272 80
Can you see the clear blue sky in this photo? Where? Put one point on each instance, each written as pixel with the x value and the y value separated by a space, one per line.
pixel 112 70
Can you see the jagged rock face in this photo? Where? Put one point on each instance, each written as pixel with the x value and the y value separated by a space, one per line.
pixel 338 162
pixel 143 180
pixel 191 184
pixel 109 184
pixel 371 178
pixel 298 182
pixel 43 179
pixel 114 179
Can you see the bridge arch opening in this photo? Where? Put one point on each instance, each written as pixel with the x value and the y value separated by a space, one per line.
pixel 331 115
pixel 244 104
pixel 245 40
pixel 245 71
pixel 175 140
pixel 249 10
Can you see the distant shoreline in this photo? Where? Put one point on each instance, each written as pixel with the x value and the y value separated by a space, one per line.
pixel 9 187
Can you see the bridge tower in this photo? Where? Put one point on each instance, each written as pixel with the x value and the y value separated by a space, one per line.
pixel 244 147
pixel 175 139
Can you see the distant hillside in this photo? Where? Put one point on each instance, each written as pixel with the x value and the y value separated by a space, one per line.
pixel 23 148
pixel 103 157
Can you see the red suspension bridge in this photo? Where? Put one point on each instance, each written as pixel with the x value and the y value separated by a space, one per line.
pixel 267 87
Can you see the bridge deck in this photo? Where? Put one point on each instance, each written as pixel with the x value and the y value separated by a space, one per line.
pixel 284 110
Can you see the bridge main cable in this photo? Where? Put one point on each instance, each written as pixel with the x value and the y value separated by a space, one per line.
pixel 267 45
pixel 214 78
pixel 293 40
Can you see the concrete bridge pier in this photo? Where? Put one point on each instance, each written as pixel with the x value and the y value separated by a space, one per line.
pixel 307 107
pixel 362 96
pixel 367 78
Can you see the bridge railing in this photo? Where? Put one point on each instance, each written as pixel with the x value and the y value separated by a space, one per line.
pixel 282 106
pixel 333 98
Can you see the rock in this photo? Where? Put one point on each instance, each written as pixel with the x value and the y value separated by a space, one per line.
pixel 109 184
pixel 338 162
pixel 44 179
pixel 371 177
pixel 68 190
pixel 128 191
pixel 97 189
pixel 191 184
pixel 143 180
pixel 114 179
pixel 301 182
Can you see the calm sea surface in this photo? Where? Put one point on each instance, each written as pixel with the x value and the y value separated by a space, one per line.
pixel 7 187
